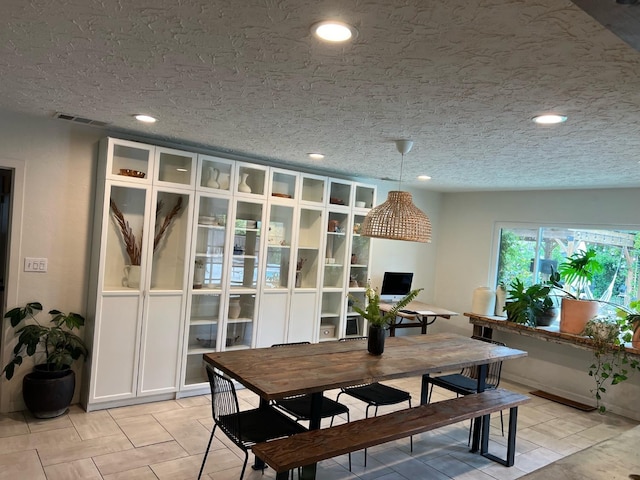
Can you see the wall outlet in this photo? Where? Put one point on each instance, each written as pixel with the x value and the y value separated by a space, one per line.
pixel 35 264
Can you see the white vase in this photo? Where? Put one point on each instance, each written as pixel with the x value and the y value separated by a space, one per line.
pixel 501 298
pixel 198 276
pixel 484 301
pixel 234 308
pixel 223 181
pixel 242 186
pixel 131 276
pixel 212 177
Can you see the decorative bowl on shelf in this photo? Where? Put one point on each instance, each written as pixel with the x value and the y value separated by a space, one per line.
pixel 207 342
pixel 281 195
pixel 127 172
pixel 336 201
pixel 204 220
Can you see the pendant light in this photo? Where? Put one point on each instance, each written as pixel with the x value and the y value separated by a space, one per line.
pixel 398 218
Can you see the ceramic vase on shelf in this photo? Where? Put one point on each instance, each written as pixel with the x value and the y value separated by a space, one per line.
pixel 242 186
pixel 234 308
pixel 223 181
pixel 198 276
pixel 484 301
pixel 131 276
pixel 212 177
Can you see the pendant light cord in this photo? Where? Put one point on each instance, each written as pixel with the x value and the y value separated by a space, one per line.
pixel 401 167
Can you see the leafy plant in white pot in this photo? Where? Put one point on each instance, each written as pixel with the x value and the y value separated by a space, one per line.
pixel 48 390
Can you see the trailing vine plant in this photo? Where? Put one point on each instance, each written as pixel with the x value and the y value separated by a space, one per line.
pixel 611 363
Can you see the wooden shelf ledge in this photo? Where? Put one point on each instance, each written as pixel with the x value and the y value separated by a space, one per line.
pixel 549 334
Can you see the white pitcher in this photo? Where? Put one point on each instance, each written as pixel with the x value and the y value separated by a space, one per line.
pixel 212 179
pixel 131 276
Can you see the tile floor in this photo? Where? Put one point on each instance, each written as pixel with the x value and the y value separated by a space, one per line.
pixel 166 440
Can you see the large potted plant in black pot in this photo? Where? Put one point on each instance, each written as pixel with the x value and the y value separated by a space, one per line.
pixel 377 319
pixel 48 389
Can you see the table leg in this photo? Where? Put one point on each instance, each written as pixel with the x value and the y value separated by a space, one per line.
pixel 309 471
pixel 478 423
pixel 258 463
pixel 424 391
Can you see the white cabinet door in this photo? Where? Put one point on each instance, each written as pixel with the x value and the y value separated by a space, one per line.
pixel 115 349
pixel 302 323
pixel 160 354
pixel 272 321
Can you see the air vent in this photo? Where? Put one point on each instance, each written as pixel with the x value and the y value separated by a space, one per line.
pixel 82 120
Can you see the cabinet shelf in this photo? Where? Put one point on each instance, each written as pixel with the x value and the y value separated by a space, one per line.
pixel 329 314
pixel 302 247
pixel 211 227
pixel 240 256
pixel 359 265
pixel 199 350
pixel 237 347
pixel 337 234
pixel 206 290
pixel 202 321
pixel 240 320
pixel 276 246
pixel 333 265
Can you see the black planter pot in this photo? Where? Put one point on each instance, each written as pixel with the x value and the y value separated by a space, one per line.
pixel 48 394
pixel 375 343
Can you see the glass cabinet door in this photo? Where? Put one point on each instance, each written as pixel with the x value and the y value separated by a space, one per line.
pixel 215 173
pixel 279 229
pixel 211 236
pixel 175 166
pixel 359 260
pixel 311 231
pixel 172 213
pixel 130 161
pixel 246 245
pixel 202 337
pixel 336 250
pixel 125 230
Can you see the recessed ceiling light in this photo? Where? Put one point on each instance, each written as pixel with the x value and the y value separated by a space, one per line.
pixel 145 118
pixel 315 156
pixel 333 31
pixel 549 119
pixel 424 177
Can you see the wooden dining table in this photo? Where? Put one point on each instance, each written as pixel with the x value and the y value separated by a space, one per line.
pixel 275 373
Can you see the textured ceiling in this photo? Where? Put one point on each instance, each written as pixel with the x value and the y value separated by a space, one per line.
pixel 462 78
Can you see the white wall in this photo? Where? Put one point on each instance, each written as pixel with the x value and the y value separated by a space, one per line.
pixel 59 164
pixel 401 256
pixel 467 222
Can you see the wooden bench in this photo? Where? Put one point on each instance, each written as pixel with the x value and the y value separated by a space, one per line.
pixel 315 445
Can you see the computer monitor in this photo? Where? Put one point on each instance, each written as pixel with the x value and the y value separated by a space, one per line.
pixel 395 285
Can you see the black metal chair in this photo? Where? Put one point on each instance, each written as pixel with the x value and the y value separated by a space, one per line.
pixel 244 428
pixel 299 406
pixel 375 395
pixel 466 382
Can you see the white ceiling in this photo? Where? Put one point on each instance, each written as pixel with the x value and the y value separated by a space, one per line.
pixel 462 78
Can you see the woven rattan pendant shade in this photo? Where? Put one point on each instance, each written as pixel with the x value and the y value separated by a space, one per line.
pixel 397 219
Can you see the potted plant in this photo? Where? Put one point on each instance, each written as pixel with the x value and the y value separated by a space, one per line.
pixel 611 363
pixel 630 323
pixel 577 272
pixel 377 319
pixel 48 390
pixel 532 306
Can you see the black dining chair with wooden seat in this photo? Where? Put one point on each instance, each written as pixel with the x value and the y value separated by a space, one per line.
pixel 466 382
pixel 244 428
pixel 375 395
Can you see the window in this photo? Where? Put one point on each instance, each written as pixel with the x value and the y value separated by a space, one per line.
pixel 533 253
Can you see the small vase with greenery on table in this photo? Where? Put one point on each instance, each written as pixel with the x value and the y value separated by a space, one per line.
pixel 377 319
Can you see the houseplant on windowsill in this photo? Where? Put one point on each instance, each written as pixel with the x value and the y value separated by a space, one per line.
pixel 577 271
pixel 532 306
pixel 48 390
pixel 377 319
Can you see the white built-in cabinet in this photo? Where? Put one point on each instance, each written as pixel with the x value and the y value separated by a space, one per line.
pixel 233 255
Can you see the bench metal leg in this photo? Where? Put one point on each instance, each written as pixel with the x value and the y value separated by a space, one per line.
pixel 511 441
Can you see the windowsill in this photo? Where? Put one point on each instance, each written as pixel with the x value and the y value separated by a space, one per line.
pixel 551 333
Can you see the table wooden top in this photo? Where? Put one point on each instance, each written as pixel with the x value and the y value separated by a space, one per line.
pixel 422 309
pixel 275 373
